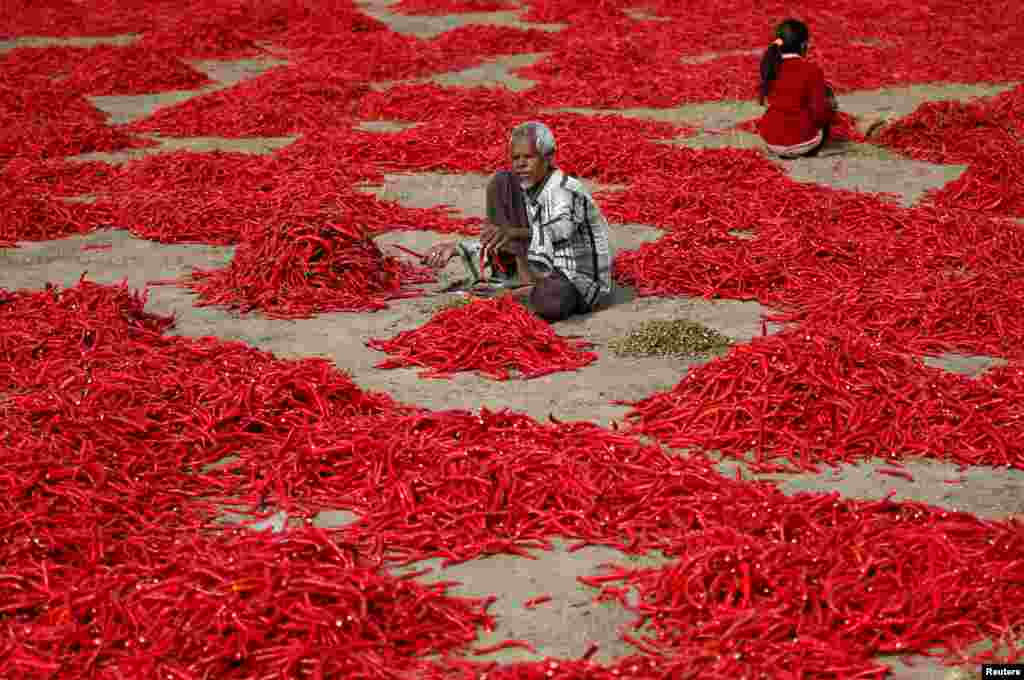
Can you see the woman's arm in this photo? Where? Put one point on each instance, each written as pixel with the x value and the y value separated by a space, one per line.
pixel 821 109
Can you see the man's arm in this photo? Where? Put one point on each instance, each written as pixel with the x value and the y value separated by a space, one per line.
pixel 517 233
pixel 494 237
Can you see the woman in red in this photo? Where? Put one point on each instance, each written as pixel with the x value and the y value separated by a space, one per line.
pixel 801 105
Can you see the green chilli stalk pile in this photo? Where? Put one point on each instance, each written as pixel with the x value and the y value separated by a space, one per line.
pixel 677 337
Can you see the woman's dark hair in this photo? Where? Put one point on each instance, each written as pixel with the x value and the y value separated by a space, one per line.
pixel 794 36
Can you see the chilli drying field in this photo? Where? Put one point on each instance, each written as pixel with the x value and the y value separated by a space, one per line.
pixel 244 434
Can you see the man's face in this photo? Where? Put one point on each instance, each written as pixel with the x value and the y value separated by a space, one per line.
pixel 526 164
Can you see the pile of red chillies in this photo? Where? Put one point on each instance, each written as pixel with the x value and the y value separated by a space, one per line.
pixel 432 7
pixel 492 337
pixel 813 396
pixel 284 101
pixel 39 119
pixel 235 606
pixel 985 135
pixel 129 441
pixel 121 447
pixel 925 279
pixel 131 69
pixel 213 198
pixel 296 271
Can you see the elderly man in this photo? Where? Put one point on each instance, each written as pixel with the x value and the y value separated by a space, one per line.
pixel 547 224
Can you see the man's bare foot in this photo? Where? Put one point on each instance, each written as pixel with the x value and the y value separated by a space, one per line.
pixel 871 125
pixel 874 128
pixel 520 292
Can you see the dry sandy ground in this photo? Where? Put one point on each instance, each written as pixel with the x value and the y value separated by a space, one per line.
pixel 569 623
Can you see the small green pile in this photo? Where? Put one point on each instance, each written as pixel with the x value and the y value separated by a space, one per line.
pixel 679 337
pixel 451 303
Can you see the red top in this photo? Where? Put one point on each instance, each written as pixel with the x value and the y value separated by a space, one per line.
pixel 797 106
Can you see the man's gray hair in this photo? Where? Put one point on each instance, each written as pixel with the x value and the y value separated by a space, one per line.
pixel 539 135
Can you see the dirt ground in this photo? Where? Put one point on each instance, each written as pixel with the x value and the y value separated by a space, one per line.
pixel 570 622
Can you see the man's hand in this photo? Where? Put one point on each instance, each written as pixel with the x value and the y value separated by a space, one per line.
pixel 439 255
pixel 493 238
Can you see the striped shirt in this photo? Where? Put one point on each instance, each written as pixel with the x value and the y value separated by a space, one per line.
pixel 568 233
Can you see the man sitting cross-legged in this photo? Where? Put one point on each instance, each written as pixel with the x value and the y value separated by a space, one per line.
pixel 547 224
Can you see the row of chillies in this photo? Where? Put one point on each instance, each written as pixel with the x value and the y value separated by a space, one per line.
pixel 122 444
pixel 110 428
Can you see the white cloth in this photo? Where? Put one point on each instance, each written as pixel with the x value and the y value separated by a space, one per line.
pixel 796 149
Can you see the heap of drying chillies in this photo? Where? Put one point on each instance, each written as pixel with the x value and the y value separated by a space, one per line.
pixel 433 7
pixel 902 33
pixel 54 61
pixel 295 271
pixel 924 134
pixel 125 422
pixel 816 586
pixel 810 587
pixel 54 18
pixel 492 337
pixel 41 119
pixel 479 143
pixel 56 178
pixel 387 56
pixel 95 377
pixel 232 607
pixel 967 310
pixel 923 279
pixel 286 100
pixel 130 69
pixel 208 197
pixel 26 216
pixel 202 39
pixel 814 396
pixel 985 135
pixel 119 445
